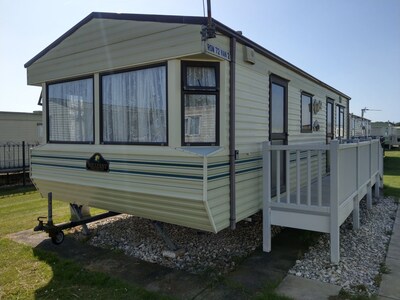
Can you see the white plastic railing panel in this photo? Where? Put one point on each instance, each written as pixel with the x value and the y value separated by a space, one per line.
pixel 303 165
pixel 347 168
pixel 363 173
pixel 374 157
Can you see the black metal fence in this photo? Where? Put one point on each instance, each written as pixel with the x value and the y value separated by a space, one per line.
pixel 15 157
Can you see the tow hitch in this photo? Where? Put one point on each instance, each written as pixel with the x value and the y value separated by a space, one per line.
pixel 56 231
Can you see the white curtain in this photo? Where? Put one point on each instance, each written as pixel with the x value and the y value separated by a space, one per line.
pixel 71 111
pixel 134 106
pixel 201 77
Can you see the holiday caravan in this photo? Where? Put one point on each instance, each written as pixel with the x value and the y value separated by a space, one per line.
pixel 359 127
pixel 164 117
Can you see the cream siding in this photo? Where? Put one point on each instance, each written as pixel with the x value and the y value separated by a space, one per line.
pixel 166 187
pixel 133 43
pixel 252 127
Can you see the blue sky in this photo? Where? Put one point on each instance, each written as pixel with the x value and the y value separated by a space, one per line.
pixel 352 45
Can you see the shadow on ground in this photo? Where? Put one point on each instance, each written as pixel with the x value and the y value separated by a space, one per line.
pixel 95 269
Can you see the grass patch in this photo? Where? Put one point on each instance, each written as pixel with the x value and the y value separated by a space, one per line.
pixel 268 293
pixel 36 274
pixel 27 273
pixel 344 295
pixel 20 207
pixel 392 173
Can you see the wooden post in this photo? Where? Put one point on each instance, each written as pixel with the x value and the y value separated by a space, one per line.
pixel 288 176
pixel 308 177
pixel 23 164
pixel 334 203
pixel 377 175
pixel 377 179
pixel 369 188
pixel 369 195
pixel 319 178
pixel 278 176
pixel 266 197
pixel 356 213
pixel 297 177
pixel 356 203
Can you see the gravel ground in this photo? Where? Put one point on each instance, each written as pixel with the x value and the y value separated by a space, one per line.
pixel 202 251
pixel 362 251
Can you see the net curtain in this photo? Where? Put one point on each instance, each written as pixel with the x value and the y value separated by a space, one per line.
pixel 134 106
pixel 71 111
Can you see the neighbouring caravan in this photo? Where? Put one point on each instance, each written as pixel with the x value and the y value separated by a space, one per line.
pixel 163 117
pixel 17 127
pixel 359 126
pixel 388 131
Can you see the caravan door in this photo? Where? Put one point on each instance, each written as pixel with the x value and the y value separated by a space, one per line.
pixel 278 127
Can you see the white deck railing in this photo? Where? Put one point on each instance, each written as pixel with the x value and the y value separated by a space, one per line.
pixel 309 188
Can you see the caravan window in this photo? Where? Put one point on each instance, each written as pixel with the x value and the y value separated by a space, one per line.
pixel 306 112
pixel 200 97
pixel 70 111
pixel 134 106
pixel 339 121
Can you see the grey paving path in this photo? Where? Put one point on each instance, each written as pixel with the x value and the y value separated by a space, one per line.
pixel 252 275
pixel 302 288
pixel 390 285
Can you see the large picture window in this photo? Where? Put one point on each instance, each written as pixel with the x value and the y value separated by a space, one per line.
pixel 200 105
pixel 134 106
pixel 70 111
pixel 306 112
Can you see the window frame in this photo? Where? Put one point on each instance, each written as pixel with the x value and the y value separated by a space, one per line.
pixel 48 84
pixel 185 90
pixel 330 102
pixel 340 112
pixel 302 130
pixel 119 71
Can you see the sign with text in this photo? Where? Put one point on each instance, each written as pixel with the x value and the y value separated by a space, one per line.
pixel 218 51
pixel 97 163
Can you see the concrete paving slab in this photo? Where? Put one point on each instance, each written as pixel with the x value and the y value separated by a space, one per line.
pixel 385 298
pixel 393 250
pixel 394 266
pixel 395 238
pixel 29 237
pixel 390 286
pixel 396 224
pixel 397 221
pixel 300 288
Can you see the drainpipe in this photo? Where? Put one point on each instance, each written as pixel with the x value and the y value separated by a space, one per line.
pixel 232 151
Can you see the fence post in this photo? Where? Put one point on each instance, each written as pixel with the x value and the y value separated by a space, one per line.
pixel 266 196
pixel 23 163
pixel 377 172
pixel 356 203
pixel 334 230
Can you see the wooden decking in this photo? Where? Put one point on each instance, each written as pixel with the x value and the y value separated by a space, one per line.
pixel 317 200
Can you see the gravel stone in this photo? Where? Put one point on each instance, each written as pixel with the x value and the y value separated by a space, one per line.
pixel 363 251
pixel 203 251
